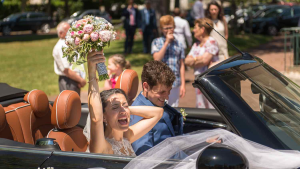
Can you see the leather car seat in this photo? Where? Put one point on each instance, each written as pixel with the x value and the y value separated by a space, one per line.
pixel 129 82
pixel 40 115
pixel 65 115
pixel 5 131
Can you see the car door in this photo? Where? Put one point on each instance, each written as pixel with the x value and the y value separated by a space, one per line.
pixel 296 17
pixel 34 21
pixel 21 23
pixel 14 157
pixel 78 160
pixel 286 19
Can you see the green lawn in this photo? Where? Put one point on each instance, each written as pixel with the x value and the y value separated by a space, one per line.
pixel 27 62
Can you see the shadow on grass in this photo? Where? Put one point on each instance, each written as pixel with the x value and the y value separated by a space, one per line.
pixel 25 38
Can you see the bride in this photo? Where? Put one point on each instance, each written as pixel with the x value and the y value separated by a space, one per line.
pixel 111 108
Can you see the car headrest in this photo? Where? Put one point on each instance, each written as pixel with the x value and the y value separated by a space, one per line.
pixel 129 82
pixel 38 101
pixel 66 110
pixel 2 118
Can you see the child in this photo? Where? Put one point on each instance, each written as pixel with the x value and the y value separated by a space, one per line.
pixel 116 65
pixel 168 50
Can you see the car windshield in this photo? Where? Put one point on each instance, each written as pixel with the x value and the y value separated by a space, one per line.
pixel 273 98
pixel 12 17
pixel 273 13
pixel 76 14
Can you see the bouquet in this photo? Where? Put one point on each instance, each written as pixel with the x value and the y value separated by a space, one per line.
pixel 84 36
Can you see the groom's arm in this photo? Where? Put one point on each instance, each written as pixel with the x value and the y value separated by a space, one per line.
pixel 144 143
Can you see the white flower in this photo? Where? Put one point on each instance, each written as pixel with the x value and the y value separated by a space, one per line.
pixel 100 44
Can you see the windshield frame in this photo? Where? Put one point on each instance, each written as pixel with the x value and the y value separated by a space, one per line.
pixel 235 111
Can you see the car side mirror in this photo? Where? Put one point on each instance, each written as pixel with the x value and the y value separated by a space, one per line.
pixel 221 156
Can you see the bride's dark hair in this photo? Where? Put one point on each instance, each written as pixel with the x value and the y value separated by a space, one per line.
pixel 105 94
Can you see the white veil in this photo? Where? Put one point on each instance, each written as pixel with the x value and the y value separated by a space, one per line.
pixel 188 147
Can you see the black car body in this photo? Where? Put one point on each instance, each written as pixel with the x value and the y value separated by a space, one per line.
pixel 251 99
pixel 271 19
pixel 80 14
pixel 33 21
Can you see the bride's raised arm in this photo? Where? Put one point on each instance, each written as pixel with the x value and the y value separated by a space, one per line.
pixel 98 144
pixel 151 115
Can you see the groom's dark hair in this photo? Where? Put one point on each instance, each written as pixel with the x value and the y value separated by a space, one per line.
pixel 156 72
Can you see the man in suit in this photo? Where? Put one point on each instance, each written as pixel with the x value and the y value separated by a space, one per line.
pixel 148 26
pixel 157 80
pixel 132 16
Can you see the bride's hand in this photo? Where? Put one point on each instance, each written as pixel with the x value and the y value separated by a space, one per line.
pixel 93 58
pixel 214 139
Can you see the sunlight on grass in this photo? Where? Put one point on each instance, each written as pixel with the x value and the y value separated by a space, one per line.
pixel 27 62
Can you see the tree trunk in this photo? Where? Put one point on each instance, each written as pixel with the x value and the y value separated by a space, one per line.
pixel 177 4
pixel 67 12
pixel 49 8
pixel 23 5
pixel 234 23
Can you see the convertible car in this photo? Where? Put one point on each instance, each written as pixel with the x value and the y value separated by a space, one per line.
pixel 251 100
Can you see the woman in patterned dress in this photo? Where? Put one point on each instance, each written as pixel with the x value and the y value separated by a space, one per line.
pixel 203 55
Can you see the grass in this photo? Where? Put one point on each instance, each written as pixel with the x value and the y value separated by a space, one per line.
pixel 27 62
pixel 246 42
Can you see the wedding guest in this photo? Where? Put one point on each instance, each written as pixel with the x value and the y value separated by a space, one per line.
pixel 69 79
pixel 110 107
pixel 170 51
pixel 182 30
pixel 215 13
pixel 148 26
pixel 132 17
pixel 202 55
pixel 198 11
pixel 157 79
pixel 116 65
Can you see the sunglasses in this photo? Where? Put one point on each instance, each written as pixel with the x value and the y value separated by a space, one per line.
pixel 168 28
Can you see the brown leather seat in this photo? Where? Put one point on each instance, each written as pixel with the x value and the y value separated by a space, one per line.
pixel 65 115
pixel 5 130
pixel 33 116
pixel 12 114
pixel 40 116
pixel 129 82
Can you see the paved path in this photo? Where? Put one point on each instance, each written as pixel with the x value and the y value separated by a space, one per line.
pixel 272 53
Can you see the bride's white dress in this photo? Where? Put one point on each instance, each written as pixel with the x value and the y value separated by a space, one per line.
pixel 188 147
pixel 122 148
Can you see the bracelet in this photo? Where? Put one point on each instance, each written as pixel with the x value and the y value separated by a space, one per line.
pixel 94 78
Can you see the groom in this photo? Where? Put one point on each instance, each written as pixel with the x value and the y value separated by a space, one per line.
pixel 157 80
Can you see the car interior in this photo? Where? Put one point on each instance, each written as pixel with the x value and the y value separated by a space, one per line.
pixel 35 117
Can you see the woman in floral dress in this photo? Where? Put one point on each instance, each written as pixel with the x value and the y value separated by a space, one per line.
pixel 203 55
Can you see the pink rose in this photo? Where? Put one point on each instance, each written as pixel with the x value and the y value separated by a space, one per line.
pixel 105 36
pixel 80 33
pixel 88 28
pixel 77 41
pixel 86 37
pixel 78 25
pixel 94 36
pixel 82 21
pixel 72 34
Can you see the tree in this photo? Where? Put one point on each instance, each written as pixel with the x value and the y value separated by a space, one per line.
pixel 23 5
